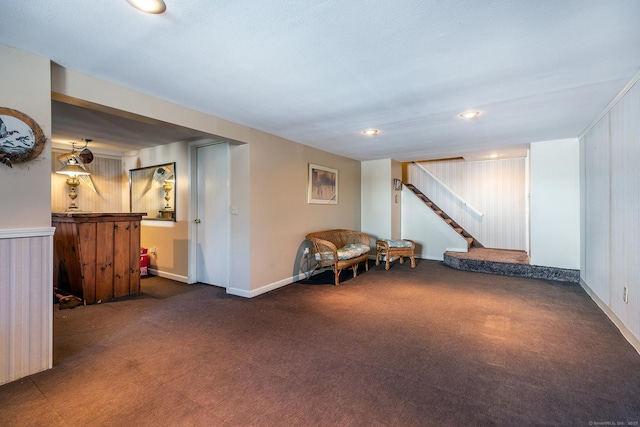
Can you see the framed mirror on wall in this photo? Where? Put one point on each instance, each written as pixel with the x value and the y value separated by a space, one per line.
pixel 152 190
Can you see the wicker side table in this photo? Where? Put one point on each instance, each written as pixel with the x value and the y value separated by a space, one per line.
pixel 395 248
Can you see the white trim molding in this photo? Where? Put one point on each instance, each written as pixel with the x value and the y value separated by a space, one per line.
pixel 18 233
pixel 610 105
pixel 176 277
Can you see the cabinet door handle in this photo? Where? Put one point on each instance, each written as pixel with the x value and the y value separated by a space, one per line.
pixel 197 220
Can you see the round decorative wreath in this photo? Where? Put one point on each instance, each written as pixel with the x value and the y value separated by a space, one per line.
pixel 21 139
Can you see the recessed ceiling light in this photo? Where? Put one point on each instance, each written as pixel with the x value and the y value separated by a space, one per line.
pixel 149 6
pixel 370 132
pixel 493 156
pixel 470 115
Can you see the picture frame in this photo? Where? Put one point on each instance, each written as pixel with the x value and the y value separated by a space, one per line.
pixel 322 186
pixel 21 138
pixel 152 191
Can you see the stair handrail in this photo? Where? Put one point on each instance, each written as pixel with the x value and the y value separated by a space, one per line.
pixel 446 187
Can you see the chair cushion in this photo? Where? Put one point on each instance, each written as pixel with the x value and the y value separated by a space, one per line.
pixel 352 250
pixel 398 243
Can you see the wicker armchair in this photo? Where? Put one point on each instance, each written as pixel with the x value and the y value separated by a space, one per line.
pixel 340 249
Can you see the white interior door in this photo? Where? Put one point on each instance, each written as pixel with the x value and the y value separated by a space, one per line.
pixel 212 220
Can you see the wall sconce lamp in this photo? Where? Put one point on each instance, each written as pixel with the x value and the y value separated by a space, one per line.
pixel 72 169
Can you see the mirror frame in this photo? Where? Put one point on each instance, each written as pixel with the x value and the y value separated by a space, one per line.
pixel 155 195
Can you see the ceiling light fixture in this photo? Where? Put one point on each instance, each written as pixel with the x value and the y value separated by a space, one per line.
pixel 470 115
pixel 370 132
pixel 149 6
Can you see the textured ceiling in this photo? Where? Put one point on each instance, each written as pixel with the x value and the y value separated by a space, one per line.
pixel 319 72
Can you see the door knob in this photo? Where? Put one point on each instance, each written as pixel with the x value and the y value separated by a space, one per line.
pixel 197 220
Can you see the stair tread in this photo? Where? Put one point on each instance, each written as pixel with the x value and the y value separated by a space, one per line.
pixel 469 242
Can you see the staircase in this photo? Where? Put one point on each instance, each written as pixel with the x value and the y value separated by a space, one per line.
pixel 471 241
pixel 503 262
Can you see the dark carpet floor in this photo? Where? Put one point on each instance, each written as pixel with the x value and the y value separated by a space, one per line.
pixel 430 346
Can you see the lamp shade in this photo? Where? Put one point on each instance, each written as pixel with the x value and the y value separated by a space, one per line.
pixel 72 169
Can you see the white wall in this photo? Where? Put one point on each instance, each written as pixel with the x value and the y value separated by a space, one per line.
pixel 610 155
pixel 240 186
pixel 377 199
pixel 555 204
pixel 432 235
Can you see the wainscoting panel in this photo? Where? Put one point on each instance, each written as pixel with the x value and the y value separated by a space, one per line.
pixel 597 209
pixel 625 206
pixel 610 186
pixel 495 187
pixel 26 302
pixel 109 181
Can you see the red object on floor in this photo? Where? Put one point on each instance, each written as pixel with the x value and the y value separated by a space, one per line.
pixel 144 262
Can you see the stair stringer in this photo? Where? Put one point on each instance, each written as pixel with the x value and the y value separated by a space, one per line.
pixel 433 236
pixel 472 241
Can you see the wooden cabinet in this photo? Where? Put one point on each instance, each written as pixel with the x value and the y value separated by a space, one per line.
pixel 97 255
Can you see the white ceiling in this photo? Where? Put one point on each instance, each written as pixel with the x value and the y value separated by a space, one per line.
pixel 319 72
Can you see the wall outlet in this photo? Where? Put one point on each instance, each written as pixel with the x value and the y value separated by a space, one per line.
pixel 152 250
pixel 625 294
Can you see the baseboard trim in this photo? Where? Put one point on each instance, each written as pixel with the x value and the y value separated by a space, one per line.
pixel 429 257
pixel 269 287
pixel 262 290
pixel 176 277
pixel 626 333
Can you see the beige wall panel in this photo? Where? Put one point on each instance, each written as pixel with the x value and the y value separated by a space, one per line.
pixel 280 214
pixel 171 239
pixel 26 188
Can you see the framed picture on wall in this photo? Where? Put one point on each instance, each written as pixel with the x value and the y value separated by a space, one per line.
pixel 21 138
pixel 322 185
